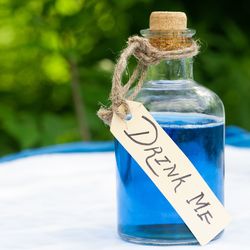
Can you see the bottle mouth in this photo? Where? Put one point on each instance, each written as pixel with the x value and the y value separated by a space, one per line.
pixel 187 33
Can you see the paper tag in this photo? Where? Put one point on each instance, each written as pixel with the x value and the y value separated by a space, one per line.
pixel 172 172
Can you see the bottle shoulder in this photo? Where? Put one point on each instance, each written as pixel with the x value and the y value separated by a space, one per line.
pixel 183 96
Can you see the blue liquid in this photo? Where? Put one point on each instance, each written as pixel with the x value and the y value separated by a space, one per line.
pixel 144 214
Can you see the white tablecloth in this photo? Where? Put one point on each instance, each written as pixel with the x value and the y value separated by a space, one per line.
pixel 67 202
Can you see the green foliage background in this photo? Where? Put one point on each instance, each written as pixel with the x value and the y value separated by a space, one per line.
pixel 57 57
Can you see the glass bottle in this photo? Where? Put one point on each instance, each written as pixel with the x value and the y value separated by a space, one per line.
pixel 193 117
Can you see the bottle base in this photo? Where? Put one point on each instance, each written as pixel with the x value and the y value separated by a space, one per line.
pixel 160 235
pixel 155 242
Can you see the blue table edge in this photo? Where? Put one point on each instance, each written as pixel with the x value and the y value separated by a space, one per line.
pixel 235 136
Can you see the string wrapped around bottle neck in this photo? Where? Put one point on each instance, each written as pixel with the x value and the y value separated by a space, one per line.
pixel 146 55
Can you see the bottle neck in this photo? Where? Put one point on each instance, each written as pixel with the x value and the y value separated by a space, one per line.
pixel 176 69
pixel 169 40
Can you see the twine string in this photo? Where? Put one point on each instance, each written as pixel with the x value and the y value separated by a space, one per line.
pixel 146 55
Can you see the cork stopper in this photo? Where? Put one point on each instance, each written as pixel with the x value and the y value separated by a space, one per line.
pixel 168 30
pixel 167 20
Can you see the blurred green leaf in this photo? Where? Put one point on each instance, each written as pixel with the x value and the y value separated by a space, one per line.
pixel 22 127
pixel 56 129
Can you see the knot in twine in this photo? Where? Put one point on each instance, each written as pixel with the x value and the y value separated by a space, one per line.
pixel 146 55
